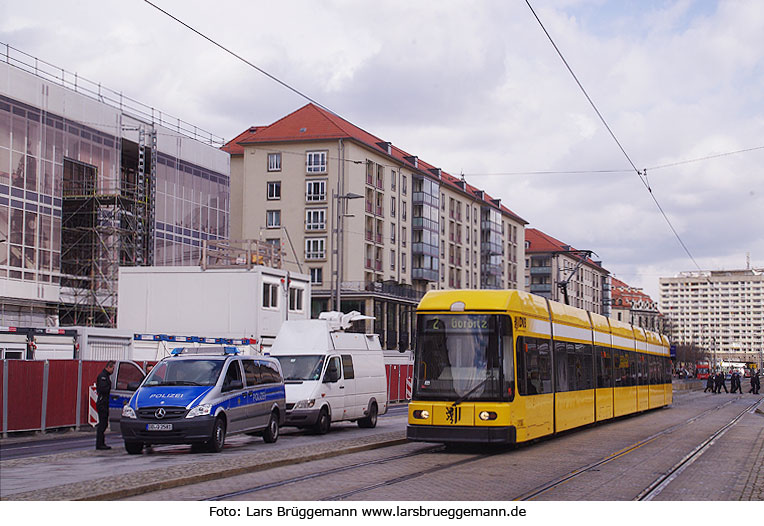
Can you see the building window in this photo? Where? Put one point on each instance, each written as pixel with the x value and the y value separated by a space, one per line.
pixel 403 210
pixel 317 276
pixel 403 184
pixel 392 207
pixel 315 191
pixel 403 261
pixel 392 180
pixel 403 236
pixel 392 260
pixel 316 162
pixel 295 299
pixel 315 248
pixel 315 219
pixel 273 218
pixel 270 295
pixel 274 190
pixel 392 232
pixel 274 162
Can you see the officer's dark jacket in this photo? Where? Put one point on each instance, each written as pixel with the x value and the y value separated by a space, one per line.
pixel 103 388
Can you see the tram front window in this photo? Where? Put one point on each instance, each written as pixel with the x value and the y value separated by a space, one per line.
pixel 463 357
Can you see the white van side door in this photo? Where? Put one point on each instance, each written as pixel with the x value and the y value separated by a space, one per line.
pixel 335 391
pixel 353 404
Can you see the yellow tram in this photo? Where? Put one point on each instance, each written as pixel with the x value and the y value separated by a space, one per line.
pixel 506 366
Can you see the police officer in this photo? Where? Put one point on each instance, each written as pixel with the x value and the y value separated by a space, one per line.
pixel 103 388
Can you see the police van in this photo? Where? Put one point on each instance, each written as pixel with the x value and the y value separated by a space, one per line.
pixel 198 396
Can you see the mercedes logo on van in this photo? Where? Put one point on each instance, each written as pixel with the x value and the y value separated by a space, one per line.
pixel 159 413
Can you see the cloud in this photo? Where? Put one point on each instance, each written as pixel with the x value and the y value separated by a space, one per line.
pixel 477 87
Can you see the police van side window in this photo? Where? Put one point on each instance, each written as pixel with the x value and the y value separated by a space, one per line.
pixel 232 375
pixel 269 373
pixel 347 366
pixel 251 372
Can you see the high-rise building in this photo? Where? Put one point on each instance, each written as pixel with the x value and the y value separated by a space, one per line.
pixel 554 269
pixel 721 311
pixel 91 180
pixel 374 226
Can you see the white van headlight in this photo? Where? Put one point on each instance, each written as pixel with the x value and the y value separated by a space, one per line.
pixel 128 412
pixel 305 404
pixel 200 410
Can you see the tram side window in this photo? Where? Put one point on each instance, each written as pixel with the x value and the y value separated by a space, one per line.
pixel 633 366
pixel 534 366
pixel 621 368
pixel 641 369
pixel 666 370
pixel 545 365
pixel 507 354
pixel 603 360
pixel 561 366
pixel 579 366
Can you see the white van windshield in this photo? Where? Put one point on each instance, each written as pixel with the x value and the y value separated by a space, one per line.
pixel 301 367
pixel 185 372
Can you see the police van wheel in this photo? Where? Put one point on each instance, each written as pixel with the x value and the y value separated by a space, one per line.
pixel 134 448
pixel 218 436
pixel 371 420
pixel 271 433
pixel 323 423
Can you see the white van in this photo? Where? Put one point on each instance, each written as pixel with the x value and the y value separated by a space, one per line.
pixel 330 375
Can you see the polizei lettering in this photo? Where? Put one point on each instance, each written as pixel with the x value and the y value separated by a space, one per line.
pixel 166 395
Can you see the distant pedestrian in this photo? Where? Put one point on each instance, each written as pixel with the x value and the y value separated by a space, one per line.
pixel 734 382
pixel 709 384
pixel 103 388
pixel 755 382
pixel 720 382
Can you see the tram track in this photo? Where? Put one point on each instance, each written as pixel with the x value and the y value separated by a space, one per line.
pixel 660 483
pixel 654 489
pixel 649 492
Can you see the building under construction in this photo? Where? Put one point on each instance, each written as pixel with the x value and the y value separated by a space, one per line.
pixel 91 180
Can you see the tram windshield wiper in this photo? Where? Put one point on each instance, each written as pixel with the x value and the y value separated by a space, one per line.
pixel 465 395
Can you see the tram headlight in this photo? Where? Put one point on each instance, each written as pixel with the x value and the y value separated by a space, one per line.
pixel 421 414
pixel 487 415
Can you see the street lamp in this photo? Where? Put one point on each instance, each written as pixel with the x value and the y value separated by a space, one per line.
pixel 340 229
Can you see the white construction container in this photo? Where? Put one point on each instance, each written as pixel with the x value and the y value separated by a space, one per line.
pixel 227 303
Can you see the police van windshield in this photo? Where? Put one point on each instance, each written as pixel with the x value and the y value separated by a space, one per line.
pixel 300 368
pixel 185 372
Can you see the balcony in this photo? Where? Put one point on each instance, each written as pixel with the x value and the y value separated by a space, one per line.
pixel 541 287
pixel 541 270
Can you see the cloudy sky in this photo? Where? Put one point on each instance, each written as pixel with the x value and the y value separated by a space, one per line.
pixel 477 88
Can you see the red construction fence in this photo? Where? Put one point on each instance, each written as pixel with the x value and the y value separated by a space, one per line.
pixel 36 395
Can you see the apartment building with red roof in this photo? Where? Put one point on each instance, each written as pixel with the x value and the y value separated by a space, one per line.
pixel 374 226
pixel 553 267
pixel 633 306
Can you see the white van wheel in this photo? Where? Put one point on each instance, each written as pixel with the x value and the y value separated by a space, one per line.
pixel 323 423
pixel 371 420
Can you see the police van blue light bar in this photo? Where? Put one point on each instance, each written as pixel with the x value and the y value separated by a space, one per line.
pixel 176 351
pixel 231 350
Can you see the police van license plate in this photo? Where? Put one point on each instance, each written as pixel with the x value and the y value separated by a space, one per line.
pixel 158 427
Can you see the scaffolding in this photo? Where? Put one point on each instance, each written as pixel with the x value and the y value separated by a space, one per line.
pixel 104 227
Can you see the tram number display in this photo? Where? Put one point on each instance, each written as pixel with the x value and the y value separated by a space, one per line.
pixel 477 323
